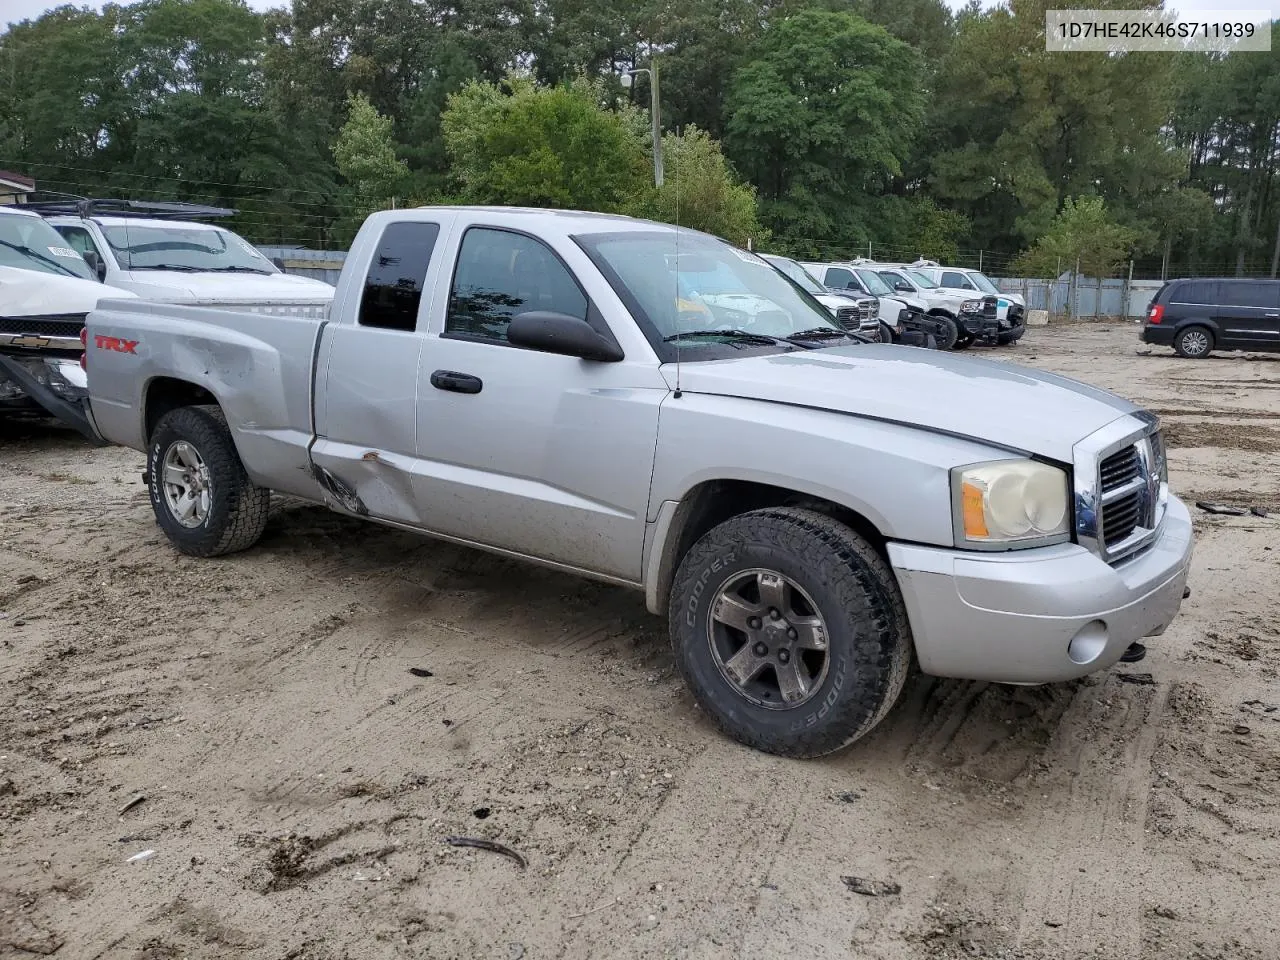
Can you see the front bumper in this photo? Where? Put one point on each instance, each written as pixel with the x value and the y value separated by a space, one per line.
pixel 1041 615
pixel 980 326
pixel 58 385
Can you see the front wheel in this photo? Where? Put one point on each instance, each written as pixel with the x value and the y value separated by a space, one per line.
pixel 1194 343
pixel 790 631
pixel 203 500
pixel 949 332
pixel 964 341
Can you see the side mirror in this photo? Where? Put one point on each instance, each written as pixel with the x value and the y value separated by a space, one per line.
pixel 96 264
pixel 903 287
pixel 560 333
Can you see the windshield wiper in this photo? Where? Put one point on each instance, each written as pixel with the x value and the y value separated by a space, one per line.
pixel 743 336
pixel 265 273
pixel 37 255
pixel 822 333
pixel 177 267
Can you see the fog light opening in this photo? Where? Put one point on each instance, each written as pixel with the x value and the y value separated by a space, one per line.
pixel 1088 643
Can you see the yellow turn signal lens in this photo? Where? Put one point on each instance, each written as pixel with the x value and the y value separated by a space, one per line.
pixel 975 520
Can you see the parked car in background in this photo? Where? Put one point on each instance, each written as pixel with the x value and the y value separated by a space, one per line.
pixel 46 290
pixel 1011 308
pixel 162 251
pixel 813 513
pixel 973 315
pixel 899 315
pixel 1197 316
pixel 857 312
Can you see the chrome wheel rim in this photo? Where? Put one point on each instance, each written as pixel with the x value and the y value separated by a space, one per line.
pixel 1195 343
pixel 768 639
pixel 188 491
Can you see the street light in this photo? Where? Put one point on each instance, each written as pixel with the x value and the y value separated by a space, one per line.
pixel 655 114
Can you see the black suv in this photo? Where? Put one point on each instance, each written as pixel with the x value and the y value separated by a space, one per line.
pixel 1197 316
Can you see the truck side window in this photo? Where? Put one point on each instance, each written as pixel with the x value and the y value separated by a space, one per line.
pixel 841 279
pixel 393 287
pixel 956 280
pixel 501 274
pixel 78 239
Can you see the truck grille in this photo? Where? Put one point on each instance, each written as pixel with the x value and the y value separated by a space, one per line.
pixel 989 307
pixel 848 318
pixel 1129 484
pixel 52 325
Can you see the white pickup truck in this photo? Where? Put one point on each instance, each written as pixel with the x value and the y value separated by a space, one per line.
pixel 159 252
pixel 811 512
pixel 46 291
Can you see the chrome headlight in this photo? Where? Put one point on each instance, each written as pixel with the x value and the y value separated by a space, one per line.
pixel 1008 504
pixel 971 306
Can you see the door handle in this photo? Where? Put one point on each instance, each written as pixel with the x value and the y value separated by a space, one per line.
pixel 1273 314
pixel 456 382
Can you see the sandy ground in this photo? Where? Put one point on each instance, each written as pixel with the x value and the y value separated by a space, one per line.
pixel 299 778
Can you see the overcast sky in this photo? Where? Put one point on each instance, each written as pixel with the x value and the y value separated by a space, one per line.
pixel 15 10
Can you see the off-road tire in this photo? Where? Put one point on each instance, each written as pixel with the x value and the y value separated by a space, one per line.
pixel 963 342
pixel 1196 334
pixel 869 637
pixel 238 509
pixel 886 334
pixel 949 335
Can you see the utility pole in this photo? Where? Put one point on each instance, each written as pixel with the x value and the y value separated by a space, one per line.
pixel 655 112
pixel 655 118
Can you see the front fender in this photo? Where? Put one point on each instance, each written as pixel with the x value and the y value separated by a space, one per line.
pixel 896 477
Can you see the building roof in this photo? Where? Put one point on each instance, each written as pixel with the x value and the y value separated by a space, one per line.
pixel 10 179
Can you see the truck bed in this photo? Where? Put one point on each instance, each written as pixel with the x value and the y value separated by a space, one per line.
pixel 258 362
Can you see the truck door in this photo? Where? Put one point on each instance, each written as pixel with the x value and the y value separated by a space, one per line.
pixel 367 378
pixel 544 455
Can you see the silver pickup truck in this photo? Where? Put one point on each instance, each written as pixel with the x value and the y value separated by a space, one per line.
pixel 809 510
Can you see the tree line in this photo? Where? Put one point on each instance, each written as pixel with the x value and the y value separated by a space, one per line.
pixel 823 128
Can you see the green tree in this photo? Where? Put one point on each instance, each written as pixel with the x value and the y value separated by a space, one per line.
pixel 1013 135
pixel 518 143
pixel 700 190
pixel 918 227
pixel 1082 233
pixel 366 156
pixel 821 117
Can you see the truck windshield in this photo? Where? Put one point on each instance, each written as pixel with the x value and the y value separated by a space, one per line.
pixel 982 283
pixel 875 283
pixel 710 298
pixel 921 280
pixel 190 248
pixel 797 273
pixel 29 243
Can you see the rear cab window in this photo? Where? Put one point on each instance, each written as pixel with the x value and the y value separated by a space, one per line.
pixel 397 273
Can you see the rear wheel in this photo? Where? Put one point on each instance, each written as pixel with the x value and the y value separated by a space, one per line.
pixel 202 498
pixel 1194 343
pixel 790 631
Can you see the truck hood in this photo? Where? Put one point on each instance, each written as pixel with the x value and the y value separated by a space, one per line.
pixel 901 301
pixel 248 287
pixel 32 293
pixel 998 403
